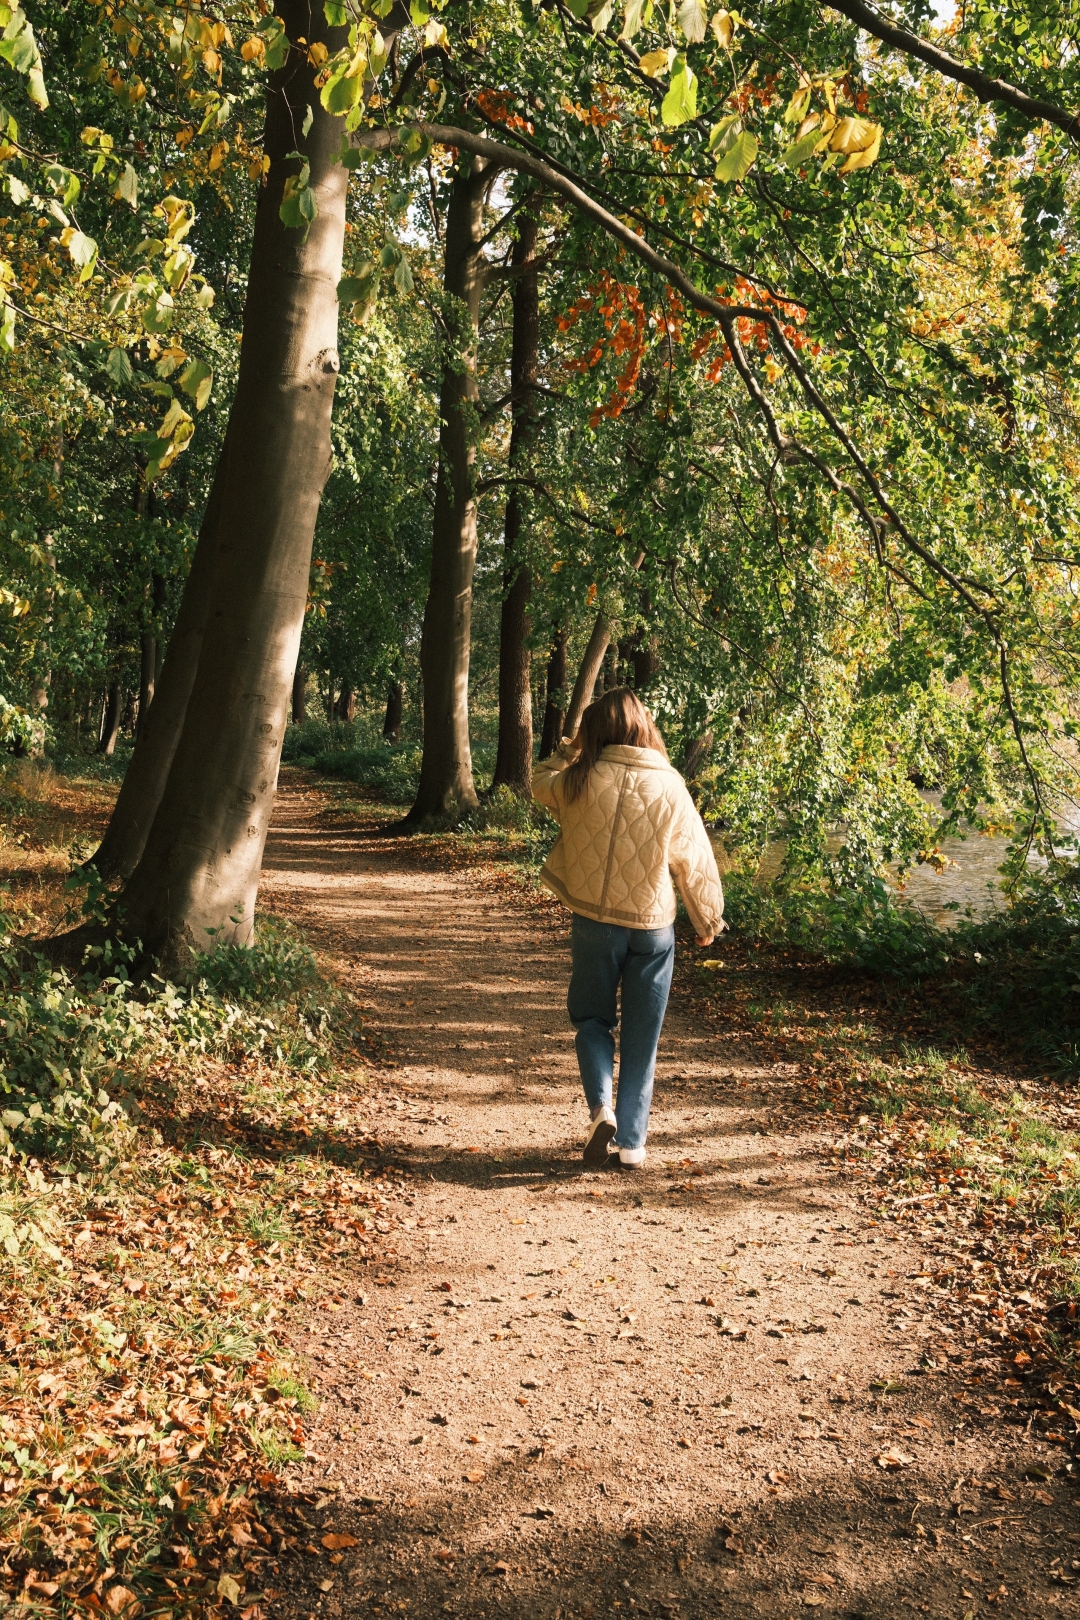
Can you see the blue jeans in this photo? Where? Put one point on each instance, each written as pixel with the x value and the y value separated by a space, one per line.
pixel 643 959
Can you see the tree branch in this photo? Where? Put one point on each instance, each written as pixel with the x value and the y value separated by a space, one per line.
pixel 984 87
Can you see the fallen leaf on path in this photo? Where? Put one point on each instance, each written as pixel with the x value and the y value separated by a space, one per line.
pixel 117 1598
pixel 474 1477
pixel 891 1460
pixel 1044 1498
pixel 335 1539
pixel 778 1476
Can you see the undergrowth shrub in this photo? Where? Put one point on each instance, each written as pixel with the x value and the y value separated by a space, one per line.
pixel 73 1046
pixel 391 768
pixel 1015 971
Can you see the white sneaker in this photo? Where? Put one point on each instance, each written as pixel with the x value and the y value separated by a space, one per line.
pixel 632 1156
pixel 601 1131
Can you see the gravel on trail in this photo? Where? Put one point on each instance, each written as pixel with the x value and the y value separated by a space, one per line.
pixel 713 1386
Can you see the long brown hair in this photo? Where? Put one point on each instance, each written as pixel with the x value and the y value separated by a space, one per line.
pixel 618 717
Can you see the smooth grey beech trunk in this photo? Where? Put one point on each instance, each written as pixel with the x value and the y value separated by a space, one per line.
pixel 513 758
pixel 590 667
pixel 196 882
pixel 159 730
pixel 446 780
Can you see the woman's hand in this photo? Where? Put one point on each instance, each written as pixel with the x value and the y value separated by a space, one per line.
pixel 707 939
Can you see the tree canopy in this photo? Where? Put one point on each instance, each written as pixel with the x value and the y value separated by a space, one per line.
pixel 805 406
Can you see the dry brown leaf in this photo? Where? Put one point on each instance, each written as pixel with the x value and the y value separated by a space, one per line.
pixel 892 1459
pixel 334 1539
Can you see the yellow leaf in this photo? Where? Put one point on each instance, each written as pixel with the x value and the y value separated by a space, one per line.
pixel 853 135
pixel 868 155
pixel 317 54
pixel 723 26
pixel 656 63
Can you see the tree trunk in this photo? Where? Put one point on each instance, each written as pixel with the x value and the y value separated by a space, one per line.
pixel 697 752
pixel 643 653
pixel 554 713
pixel 110 720
pixel 346 703
pixel 299 696
pixel 513 759
pixel 144 780
pixel 197 880
pixel 591 665
pixel 446 779
pixel 394 703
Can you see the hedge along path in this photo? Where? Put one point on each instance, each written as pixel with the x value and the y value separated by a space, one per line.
pixel 714 1385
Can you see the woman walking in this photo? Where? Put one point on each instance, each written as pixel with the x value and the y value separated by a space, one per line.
pixel 627 826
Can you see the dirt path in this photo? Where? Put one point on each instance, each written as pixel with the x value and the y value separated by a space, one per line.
pixel 585 1394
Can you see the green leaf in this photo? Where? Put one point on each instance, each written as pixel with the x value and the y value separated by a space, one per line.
pixel 118 367
pixel 359 289
pixel 339 93
pixel 600 15
pixel 403 280
pixel 355 157
pixel 680 103
pixel 277 42
pixel 800 152
pixel 724 134
pixel 335 13
pixel 197 379
pixel 157 316
pixel 84 251
pixel 738 160
pixel 309 119
pixel 632 20
pixel 127 187
pixel 419 13
pixel 35 88
pixel 7 328
pixel 299 205
pixel 20 194
pixel 693 20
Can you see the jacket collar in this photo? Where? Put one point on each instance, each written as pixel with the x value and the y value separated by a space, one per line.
pixel 623 754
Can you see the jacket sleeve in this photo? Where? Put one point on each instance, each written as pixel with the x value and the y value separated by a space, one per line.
pixel 545 776
pixel 693 866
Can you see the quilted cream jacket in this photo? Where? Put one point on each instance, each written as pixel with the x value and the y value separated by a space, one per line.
pixel 619 845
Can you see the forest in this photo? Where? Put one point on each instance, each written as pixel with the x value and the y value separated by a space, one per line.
pixel 379 384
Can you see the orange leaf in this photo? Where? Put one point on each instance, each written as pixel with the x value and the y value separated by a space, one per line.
pixel 335 1539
